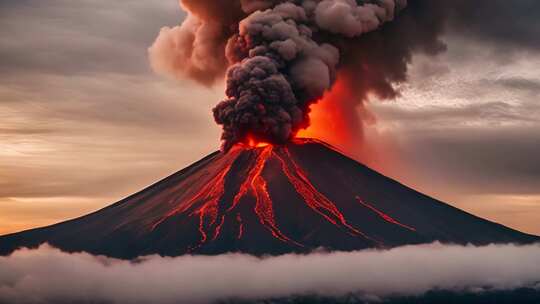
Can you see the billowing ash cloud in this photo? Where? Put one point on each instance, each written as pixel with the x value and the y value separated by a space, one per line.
pixel 280 55
pixel 47 275
pixel 196 48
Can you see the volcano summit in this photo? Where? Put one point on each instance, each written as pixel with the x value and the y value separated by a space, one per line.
pixel 296 197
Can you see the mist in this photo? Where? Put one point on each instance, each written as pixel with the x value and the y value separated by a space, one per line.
pixel 48 275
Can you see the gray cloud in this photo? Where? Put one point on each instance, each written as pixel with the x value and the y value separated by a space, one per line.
pixel 482 160
pixel 81 114
pixel 466 125
pixel 48 275
pixel 436 117
pixel 84 37
pixel 523 84
pixel 506 25
pixel 97 136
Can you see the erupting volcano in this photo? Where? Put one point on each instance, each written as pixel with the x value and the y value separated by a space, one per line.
pixel 280 57
pixel 268 199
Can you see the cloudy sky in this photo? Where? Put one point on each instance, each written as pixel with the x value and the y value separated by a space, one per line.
pixel 84 121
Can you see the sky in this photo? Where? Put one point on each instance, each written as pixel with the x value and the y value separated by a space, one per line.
pixel 84 121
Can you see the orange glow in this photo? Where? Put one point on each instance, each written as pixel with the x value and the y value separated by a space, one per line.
pixel 341 119
pixel 255 143
pixel 329 117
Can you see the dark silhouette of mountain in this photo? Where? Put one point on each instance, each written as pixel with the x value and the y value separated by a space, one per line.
pixel 268 200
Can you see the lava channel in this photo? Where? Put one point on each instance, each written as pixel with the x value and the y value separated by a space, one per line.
pixel 313 198
pixel 383 215
pixel 256 184
pixel 211 193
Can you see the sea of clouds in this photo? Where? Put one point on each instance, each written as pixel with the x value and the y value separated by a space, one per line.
pixel 48 275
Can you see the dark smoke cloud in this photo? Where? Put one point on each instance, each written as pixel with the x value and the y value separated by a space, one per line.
pixel 282 40
pixel 378 62
pixel 279 61
pixel 507 25
pixel 285 54
pixel 47 275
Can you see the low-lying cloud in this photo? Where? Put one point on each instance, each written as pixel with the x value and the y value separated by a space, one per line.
pixel 48 275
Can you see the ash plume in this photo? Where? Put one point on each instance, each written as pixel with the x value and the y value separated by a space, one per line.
pixel 195 48
pixel 280 56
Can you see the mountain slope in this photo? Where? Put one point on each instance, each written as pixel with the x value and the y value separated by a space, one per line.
pixel 267 200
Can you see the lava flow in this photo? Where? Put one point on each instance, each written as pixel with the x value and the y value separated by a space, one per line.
pixel 383 215
pixel 315 200
pixel 210 194
pixel 253 192
pixel 263 202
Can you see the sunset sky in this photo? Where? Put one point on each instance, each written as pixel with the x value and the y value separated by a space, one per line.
pixel 84 121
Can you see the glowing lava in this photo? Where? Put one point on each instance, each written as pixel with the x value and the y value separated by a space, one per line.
pixel 255 143
pixel 263 202
pixel 240 226
pixel 315 200
pixel 210 206
pixel 210 193
pixel 383 215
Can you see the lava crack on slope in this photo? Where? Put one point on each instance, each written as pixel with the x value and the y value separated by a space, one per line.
pixel 211 193
pixel 240 226
pixel 313 198
pixel 263 202
pixel 383 215
pixel 254 189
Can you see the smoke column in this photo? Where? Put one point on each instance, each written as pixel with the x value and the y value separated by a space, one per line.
pixel 281 56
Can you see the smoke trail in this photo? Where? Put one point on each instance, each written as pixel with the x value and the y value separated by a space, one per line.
pixel 47 275
pixel 280 55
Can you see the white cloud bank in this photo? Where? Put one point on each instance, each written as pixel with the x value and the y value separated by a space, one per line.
pixel 48 275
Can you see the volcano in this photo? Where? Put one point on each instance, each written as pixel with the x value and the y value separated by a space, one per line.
pixel 297 197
